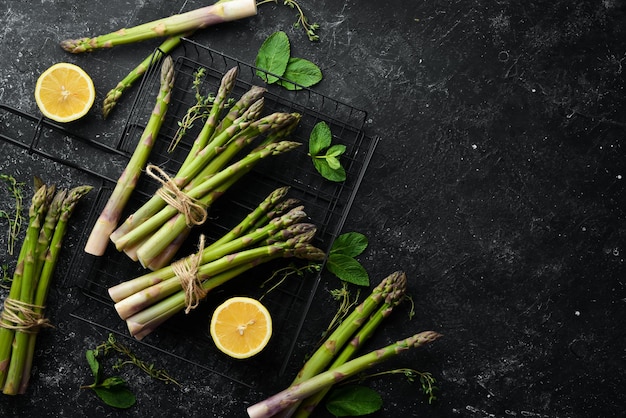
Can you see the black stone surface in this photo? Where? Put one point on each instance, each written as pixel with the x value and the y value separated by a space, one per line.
pixel 497 186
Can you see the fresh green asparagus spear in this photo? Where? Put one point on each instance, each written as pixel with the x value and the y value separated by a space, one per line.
pixel 222 11
pixel 113 96
pixel 108 219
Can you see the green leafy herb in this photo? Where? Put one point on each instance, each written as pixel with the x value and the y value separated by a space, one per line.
pixel 341 259
pixel 276 65
pixel 112 390
pixel 353 401
pixel 325 155
pixel 300 73
pixel 273 57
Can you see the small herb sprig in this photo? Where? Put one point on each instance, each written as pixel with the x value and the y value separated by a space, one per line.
pixel 15 217
pixel 199 111
pixel 302 22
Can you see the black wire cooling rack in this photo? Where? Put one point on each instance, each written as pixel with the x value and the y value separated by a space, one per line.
pixel 326 203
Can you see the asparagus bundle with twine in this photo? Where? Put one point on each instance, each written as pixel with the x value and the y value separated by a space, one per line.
pixel 153 233
pixel 274 229
pixel 332 362
pixel 112 212
pixel 22 316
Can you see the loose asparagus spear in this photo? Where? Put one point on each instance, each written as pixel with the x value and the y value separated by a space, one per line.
pixel 296 393
pixel 112 97
pixel 108 219
pixel 222 11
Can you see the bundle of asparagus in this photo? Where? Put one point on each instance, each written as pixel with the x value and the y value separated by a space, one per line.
pixel 22 316
pixel 332 362
pixel 274 229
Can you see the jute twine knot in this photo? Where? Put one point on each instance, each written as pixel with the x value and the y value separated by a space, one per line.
pixel 186 269
pixel 22 316
pixel 194 213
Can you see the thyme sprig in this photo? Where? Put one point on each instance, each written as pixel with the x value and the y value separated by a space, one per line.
pixel 14 218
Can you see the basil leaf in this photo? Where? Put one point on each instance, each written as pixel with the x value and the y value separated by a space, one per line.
pixel 337 175
pixel 94 365
pixel 347 269
pixel 302 72
pixel 117 397
pixel 353 401
pixel 350 244
pixel 273 57
pixel 320 138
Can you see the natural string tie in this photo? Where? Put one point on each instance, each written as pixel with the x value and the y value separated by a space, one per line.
pixel 194 213
pixel 186 269
pixel 22 316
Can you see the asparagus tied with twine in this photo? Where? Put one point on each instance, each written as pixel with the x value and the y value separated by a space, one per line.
pixel 232 141
pixel 276 228
pixel 22 316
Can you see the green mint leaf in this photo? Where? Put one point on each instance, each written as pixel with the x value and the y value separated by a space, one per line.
pixel 347 269
pixel 337 175
pixel 320 138
pixel 273 57
pixel 333 162
pixel 117 397
pixel 302 72
pixel 112 382
pixel 94 365
pixel 336 150
pixel 353 401
pixel 350 244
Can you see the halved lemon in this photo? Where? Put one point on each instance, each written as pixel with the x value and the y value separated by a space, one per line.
pixel 241 327
pixel 64 92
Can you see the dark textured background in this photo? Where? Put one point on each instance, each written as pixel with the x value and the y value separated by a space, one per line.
pixel 498 187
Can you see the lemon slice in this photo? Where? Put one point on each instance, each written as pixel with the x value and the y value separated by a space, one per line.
pixel 241 327
pixel 64 92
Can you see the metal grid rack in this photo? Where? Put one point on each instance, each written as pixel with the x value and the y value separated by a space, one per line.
pixel 327 204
